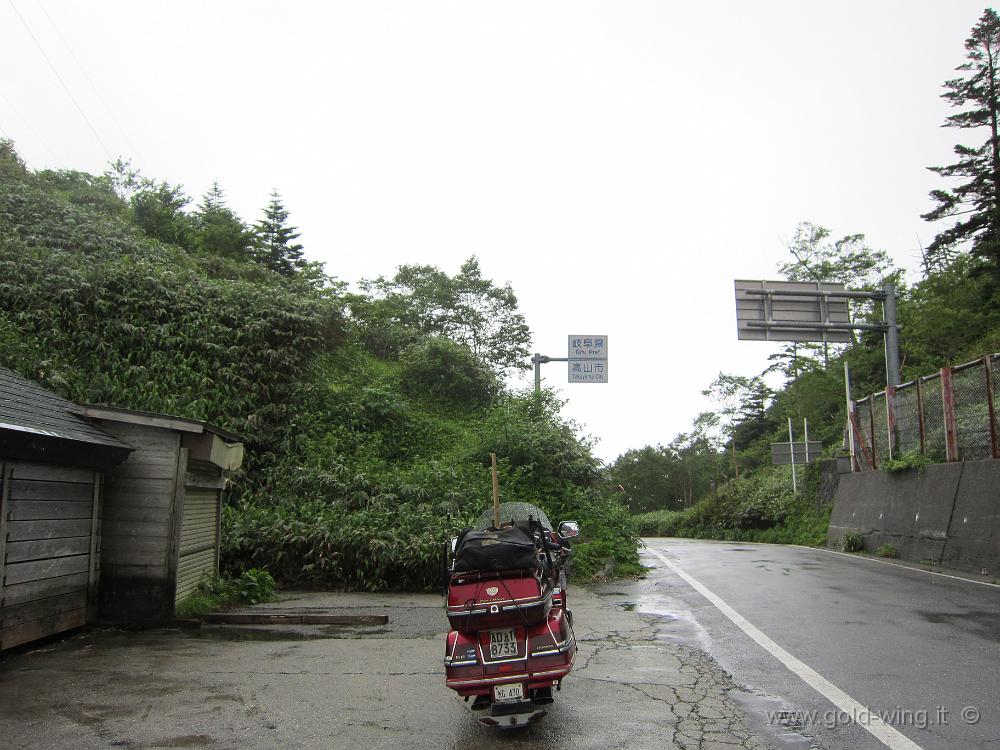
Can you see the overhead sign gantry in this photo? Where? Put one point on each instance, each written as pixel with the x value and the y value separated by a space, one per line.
pixel 813 311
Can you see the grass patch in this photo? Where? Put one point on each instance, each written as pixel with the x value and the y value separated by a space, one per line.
pixel 907 462
pixel 852 542
pixel 218 592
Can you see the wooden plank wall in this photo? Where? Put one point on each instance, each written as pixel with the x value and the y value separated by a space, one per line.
pixel 137 521
pixel 48 549
pixel 199 533
pixel 138 503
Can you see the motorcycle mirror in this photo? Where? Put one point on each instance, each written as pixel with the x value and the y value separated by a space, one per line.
pixel 569 529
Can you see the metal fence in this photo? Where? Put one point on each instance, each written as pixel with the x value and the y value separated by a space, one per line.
pixel 948 416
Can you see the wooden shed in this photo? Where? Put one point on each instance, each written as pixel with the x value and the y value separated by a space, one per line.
pixel 162 515
pixel 52 461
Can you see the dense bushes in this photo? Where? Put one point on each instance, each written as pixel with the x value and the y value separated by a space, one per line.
pixel 447 371
pixel 377 482
pixel 378 546
pixel 761 508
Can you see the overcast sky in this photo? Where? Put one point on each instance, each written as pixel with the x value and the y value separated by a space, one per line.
pixel 619 163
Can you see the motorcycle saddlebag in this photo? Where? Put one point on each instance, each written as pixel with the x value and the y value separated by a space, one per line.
pixel 512 548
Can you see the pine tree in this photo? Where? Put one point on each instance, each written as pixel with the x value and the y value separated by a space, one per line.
pixel 274 245
pixel 977 200
pixel 214 199
pixel 219 231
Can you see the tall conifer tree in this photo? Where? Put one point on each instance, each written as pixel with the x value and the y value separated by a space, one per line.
pixel 976 200
pixel 218 230
pixel 275 245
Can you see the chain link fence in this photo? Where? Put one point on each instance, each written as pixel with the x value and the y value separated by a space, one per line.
pixel 948 416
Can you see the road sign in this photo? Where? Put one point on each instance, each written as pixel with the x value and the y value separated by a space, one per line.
pixel 588 347
pixel 772 311
pixel 588 371
pixel 781 453
pixel 588 359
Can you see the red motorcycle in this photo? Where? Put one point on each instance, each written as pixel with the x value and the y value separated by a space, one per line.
pixel 512 637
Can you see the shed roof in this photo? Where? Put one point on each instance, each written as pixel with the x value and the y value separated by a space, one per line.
pixel 32 416
pixel 151 419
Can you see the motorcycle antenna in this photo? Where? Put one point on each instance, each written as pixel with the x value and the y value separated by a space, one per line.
pixel 496 492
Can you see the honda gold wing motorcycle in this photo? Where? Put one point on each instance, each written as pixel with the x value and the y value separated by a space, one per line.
pixel 511 644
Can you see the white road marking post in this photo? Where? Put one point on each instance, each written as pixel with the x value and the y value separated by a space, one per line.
pixel 883 732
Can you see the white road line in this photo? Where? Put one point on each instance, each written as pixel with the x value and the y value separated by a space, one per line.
pixel 874 724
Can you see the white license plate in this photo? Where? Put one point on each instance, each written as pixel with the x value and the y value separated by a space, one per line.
pixel 502 643
pixel 513 692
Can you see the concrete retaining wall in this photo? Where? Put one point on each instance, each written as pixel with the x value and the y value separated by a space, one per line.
pixel 948 513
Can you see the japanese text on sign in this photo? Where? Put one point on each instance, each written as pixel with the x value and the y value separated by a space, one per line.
pixel 588 359
pixel 588 371
pixel 588 347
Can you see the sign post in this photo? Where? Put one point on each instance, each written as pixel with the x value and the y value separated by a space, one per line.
pixel 791 445
pixel 587 359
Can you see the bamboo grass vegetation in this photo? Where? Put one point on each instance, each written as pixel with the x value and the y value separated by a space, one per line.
pixel 368 425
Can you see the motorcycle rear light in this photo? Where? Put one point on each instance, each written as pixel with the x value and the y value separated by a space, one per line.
pixel 460 650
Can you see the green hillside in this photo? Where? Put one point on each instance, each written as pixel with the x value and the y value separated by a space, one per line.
pixel 368 418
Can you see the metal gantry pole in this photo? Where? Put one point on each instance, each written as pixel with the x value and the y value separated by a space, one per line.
pixel 791 447
pixel 891 335
pixel 538 360
pixel 855 466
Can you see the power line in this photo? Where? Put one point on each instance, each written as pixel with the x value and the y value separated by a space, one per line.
pixel 86 75
pixel 69 93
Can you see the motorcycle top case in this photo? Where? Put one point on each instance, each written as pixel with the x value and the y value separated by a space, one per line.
pixel 479 601
pixel 511 548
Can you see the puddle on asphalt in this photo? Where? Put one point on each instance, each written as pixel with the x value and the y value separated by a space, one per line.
pixel 244 633
pixel 670 619
pixel 773 718
pixel 984 623
pixel 188 740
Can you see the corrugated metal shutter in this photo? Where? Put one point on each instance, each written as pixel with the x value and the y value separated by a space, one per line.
pixel 199 539
pixel 48 550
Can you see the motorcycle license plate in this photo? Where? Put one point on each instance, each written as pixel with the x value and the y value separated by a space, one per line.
pixel 502 643
pixel 502 693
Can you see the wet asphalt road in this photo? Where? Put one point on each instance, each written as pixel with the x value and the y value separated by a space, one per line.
pixel 916 648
